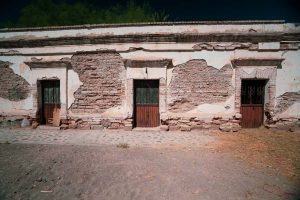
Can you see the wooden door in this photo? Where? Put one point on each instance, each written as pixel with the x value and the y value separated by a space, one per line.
pixel 50 102
pixel 252 103
pixel 146 101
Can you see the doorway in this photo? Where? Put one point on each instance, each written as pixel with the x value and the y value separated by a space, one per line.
pixel 50 102
pixel 146 103
pixel 252 103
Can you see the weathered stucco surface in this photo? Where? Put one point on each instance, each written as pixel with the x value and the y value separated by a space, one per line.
pixel 198 86
pixel 194 83
pixel 102 75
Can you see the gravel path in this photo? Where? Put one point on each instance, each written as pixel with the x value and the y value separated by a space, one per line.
pixel 96 137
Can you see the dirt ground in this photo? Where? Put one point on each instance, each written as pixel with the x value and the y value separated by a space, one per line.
pixel 248 165
pixel 263 148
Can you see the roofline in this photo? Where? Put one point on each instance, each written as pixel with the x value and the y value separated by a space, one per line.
pixel 91 26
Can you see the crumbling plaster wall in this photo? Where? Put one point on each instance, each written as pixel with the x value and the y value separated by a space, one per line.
pixel 216 59
pixel 24 106
pixel 288 86
pixel 29 105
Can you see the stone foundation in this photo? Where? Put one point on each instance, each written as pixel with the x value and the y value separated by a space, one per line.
pixel 96 123
pixel 193 123
pixel 287 124
pixel 15 121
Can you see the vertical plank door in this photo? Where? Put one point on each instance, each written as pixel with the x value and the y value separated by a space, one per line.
pixel 146 101
pixel 252 103
pixel 51 102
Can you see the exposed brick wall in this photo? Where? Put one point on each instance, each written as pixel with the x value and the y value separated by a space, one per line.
pixel 12 86
pixel 194 83
pixel 103 77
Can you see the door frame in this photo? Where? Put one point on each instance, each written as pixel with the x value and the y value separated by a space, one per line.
pixel 134 99
pixel 263 97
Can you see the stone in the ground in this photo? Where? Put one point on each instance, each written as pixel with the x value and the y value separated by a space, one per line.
pixel 271 126
pixel 174 128
pixel 72 126
pixel 226 127
pixel 34 125
pixel 85 127
pixel 196 127
pixel 206 126
pixel 25 122
pixel 127 128
pixel 63 127
pixel 164 127
pixel 97 127
pixel 185 128
pixel 235 127
pixel 217 122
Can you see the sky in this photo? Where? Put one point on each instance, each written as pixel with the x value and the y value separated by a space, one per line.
pixel 194 10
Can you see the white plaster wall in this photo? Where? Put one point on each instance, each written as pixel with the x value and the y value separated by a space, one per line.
pixel 155 29
pixel 73 84
pixel 54 73
pixel 288 78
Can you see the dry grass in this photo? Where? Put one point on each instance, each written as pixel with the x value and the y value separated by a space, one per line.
pixel 265 148
pixel 123 145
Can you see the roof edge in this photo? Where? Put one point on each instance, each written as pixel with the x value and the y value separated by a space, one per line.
pixel 91 26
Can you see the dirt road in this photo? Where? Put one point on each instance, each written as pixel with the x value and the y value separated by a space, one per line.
pixel 37 171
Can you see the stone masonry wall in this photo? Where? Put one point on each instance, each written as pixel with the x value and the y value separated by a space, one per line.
pixel 194 83
pixel 103 76
pixel 12 86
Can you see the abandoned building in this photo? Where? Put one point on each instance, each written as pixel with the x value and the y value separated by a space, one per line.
pixel 176 75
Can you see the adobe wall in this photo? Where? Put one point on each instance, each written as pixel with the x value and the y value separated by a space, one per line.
pixel 199 83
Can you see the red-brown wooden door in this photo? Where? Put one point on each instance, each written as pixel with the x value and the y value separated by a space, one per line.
pixel 252 103
pixel 146 103
pixel 50 102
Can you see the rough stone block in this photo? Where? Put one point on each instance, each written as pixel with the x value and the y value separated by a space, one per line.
pixel 25 123
pixel 34 124
pixel 63 127
pixel 127 128
pixel 174 128
pixel 226 127
pixel 196 127
pixel 217 122
pixel 85 127
pixel 185 128
pixel 164 127
pixel 238 116
pixel 97 127
pixel 72 126
pixel 206 126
